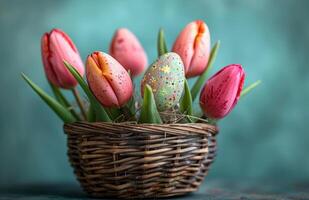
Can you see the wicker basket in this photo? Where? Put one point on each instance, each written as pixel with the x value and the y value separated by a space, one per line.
pixel 140 160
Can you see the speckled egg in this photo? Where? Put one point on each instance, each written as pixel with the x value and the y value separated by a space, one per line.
pixel 166 78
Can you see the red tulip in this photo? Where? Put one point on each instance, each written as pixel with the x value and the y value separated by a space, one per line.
pixel 222 91
pixel 57 46
pixel 128 51
pixel 108 80
pixel 193 46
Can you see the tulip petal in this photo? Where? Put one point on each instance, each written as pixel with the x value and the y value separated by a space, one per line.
pixel 193 46
pixel 202 79
pixel 149 111
pixel 127 50
pixel 117 77
pixel 108 80
pixel 61 50
pixel 48 68
pixel 201 51
pixel 59 109
pixel 101 87
pixel 221 92
pixel 183 44
pixel 56 47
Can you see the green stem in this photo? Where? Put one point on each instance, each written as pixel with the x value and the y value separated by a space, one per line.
pixel 201 80
pixel 212 121
pixel 58 108
pixel 79 102
pixel 63 101
pixel 250 88
pixel 100 113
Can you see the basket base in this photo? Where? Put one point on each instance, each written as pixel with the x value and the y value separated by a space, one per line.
pixel 134 161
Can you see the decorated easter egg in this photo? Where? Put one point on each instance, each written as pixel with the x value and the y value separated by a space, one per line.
pixel 166 78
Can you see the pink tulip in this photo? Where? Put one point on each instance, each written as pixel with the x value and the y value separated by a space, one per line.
pixel 108 80
pixel 193 46
pixel 221 92
pixel 57 46
pixel 128 51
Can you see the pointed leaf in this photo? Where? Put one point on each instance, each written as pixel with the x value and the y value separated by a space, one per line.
pixel 91 114
pixel 131 105
pixel 149 112
pixel 161 44
pixel 186 101
pixel 63 101
pixel 100 112
pixel 59 109
pixel 114 113
pixel 250 88
pixel 202 79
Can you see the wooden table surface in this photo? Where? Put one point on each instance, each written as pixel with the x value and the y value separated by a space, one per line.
pixel 212 190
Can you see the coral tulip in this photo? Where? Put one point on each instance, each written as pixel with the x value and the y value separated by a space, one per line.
pixel 108 80
pixel 128 51
pixel 222 91
pixel 56 47
pixel 193 46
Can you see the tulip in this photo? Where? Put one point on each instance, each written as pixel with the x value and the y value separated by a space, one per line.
pixel 222 91
pixel 128 51
pixel 193 46
pixel 56 47
pixel 108 80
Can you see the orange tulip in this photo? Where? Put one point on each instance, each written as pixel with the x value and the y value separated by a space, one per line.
pixel 193 46
pixel 108 80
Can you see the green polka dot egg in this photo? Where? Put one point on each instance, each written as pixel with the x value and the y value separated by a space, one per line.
pixel 166 78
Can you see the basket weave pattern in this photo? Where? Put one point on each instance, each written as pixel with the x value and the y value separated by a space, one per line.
pixel 140 160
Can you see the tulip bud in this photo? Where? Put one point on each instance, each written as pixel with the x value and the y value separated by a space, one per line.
pixel 222 91
pixel 128 51
pixel 56 47
pixel 108 80
pixel 193 46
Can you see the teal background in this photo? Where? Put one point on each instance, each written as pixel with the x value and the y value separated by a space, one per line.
pixel 264 139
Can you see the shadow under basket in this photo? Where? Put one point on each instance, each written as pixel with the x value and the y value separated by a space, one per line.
pixel 127 160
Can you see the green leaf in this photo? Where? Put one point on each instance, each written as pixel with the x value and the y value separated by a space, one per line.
pixel 131 105
pixel 202 79
pixel 250 88
pixel 100 113
pixel 161 44
pixel 91 114
pixel 63 101
pixel 114 113
pixel 59 109
pixel 149 112
pixel 186 101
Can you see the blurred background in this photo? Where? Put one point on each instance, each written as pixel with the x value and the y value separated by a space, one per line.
pixel 264 139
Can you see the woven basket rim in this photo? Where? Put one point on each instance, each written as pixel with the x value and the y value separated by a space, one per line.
pixel 185 128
